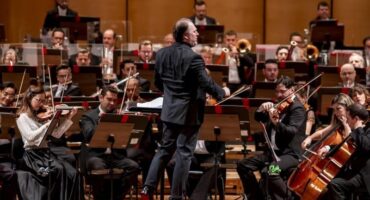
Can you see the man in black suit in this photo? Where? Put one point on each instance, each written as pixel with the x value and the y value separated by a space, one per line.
pixel 65 87
pixel 286 131
pixel 180 73
pixel 200 15
pixel 99 158
pixel 355 175
pixel 61 9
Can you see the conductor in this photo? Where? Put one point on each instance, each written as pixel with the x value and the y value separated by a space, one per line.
pixel 180 74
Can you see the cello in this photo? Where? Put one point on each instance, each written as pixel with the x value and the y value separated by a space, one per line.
pixel 314 173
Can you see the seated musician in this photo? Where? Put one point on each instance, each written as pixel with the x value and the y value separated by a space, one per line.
pixel 109 42
pixel 207 55
pixel 128 68
pixel 200 14
pixel 360 95
pixel 7 95
pixel 366 52
pixel 297 52
pixel 84 58
pixel 239 63
pixel 145 52
pixel 168 40
pixel 270 71
pixel 286 130
pixel 281 53
pixel 7 165
pixel 144 154
pixel 355 174
pixel 10 57
pixel 33 122
pixel 65 87
pixel 99 159
pixel 339 104
pixel 57 39
pixel 356 60
pixel 348 76
pixel 323 13
pixel 61 9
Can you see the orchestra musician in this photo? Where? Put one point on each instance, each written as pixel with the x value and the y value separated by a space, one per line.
pixel 168 40
pixel 146 53
pixel 8 94
pixel 7 165
pixel 57 39
pixel 360 95
pixel 355 174
pixel 200 14
pixel 281 53
pixel 65 87
pixel 339 104
pixel 128 68
pixel 36 158
pixel 97 158
pixel 10 57
pixel 61 9
pixel 183 106
pixel 323 13
pixel 356 60
pixel 270 71
pixel 348 76
pixel 286 131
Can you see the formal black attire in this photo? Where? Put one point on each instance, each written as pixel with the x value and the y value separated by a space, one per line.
pixel 209 20
pixel 97 159
pixel 52 18
pixel 71 90
pixel 181 75
pixel 356 173
pixel 289 134
pixel 7 174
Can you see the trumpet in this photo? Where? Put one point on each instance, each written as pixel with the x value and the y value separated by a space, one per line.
pixel 244 46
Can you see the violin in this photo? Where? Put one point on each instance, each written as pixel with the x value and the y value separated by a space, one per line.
pixel 44 114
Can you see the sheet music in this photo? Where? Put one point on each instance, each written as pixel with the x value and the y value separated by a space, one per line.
pixel 155 103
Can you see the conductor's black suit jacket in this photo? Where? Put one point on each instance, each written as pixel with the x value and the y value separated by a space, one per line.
pixel 290 131
pixel 180 74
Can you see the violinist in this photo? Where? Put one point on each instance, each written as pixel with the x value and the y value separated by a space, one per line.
pixel 33 127
pixel 286 130
pixel 355 174
pixel 339 105
pixel 98 159
pixel 7 95
pixel 7 165
pixel 65 87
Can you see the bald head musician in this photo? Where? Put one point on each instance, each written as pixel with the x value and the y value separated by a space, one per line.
pixel 180 73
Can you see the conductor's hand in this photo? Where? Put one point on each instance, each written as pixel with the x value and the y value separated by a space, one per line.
pixel 306 142
pixel 265 107
pixel 72 113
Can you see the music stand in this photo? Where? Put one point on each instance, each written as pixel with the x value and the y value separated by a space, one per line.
pixel 219 73
pixel 146 71
pixel 224 124
pixel 210 34
pixel 15 74
pixel 2 33
pixel 324 31
pixel 264 89
pixel 79 27
pixel 114 132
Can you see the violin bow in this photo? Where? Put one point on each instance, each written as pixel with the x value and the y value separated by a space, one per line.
pixel 64 85
pixel 239 91
pixel 20 88
pixel 299 89
pixel 51 90
pixel 124 92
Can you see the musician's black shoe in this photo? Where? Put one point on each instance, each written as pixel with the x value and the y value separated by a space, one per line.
pixel 146 193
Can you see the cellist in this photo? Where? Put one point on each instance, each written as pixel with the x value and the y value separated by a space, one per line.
pixel 339 105
pixel 355 175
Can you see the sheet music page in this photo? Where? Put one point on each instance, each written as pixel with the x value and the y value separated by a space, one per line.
pixel 155 103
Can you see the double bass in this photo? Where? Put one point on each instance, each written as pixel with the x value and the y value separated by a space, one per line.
pixel 314 173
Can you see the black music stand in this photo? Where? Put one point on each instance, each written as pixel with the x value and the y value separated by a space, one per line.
pixel 79 28
pixel 325 31
pixel 223 124
pixel 210 34
pixel 8 130
pixel 118 132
